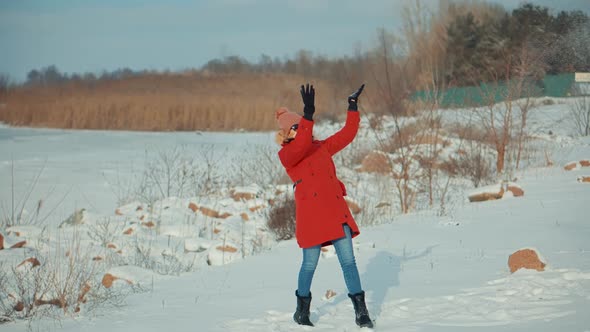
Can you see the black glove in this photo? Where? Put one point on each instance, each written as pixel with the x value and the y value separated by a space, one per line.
pixel 353 99
pixel 308 96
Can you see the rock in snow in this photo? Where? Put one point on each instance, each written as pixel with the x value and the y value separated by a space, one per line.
pixel 525 259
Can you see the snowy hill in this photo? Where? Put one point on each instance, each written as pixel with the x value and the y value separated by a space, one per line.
pixel 421 274
pixel 423 271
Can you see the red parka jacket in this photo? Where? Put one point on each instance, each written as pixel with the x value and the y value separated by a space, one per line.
pixel 321 210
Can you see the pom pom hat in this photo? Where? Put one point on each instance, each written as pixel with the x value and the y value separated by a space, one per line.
pixel 286 119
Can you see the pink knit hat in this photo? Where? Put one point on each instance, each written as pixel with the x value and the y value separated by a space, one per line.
pixel 286 119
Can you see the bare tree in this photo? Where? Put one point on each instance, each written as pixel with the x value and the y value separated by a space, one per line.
pixel 390 87
pixel 499 104
pixel 415 147
pixel 389 69
pixel 528 69
pixel 507 95
pixel 579 112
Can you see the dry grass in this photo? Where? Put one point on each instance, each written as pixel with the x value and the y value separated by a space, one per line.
pixel 162 102
pixel 55 285
pixel 471 133
pixel 281 218
pixel 424 130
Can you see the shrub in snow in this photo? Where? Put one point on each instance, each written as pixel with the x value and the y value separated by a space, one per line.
pixel 376 162
pixel 472 162
pixel 49 286
pixel 104 231
pixel 152 256
pixel 281 218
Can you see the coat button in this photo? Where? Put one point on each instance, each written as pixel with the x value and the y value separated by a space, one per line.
pixel 338 197
pixel 345 216
pixel 315 194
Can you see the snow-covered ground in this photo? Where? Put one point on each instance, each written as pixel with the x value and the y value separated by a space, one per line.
pixel 421 271
pixel 85 168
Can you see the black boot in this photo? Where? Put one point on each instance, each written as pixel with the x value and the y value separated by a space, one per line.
pixel 360 310
pixel 301 315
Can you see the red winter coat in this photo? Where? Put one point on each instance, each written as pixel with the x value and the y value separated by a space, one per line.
pixel 321 209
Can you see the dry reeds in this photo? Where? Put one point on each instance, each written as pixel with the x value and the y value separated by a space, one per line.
pixel 161 102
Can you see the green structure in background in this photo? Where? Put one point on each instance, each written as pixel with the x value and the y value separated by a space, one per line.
pixel 562 85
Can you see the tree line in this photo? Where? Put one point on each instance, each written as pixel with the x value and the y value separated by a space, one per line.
pixel 480 38
pixel 475 41
pixel 483 45
pixel 458 44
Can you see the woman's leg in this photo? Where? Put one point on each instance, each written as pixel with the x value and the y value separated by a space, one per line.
pixel 351 277
pixel 345 253
pixel 310 261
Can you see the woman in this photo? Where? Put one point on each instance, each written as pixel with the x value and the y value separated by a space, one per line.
pixel 322 215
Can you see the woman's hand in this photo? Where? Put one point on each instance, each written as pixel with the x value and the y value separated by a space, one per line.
pixel 308 96
pixel 353 99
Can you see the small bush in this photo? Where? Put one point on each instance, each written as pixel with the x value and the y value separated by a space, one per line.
pixel 470 132
pixel 15 211
pixel 472 164
pixel 420 131
pixel 281 218
pixel 176 172
pixel 403 138
pixel 264 168
pixel 55 285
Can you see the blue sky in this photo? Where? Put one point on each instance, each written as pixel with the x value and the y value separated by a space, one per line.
pixel 91 36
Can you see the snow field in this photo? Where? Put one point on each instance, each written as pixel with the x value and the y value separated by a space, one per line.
pixel 425 271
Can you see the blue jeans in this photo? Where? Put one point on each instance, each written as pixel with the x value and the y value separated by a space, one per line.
pixel 345 254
